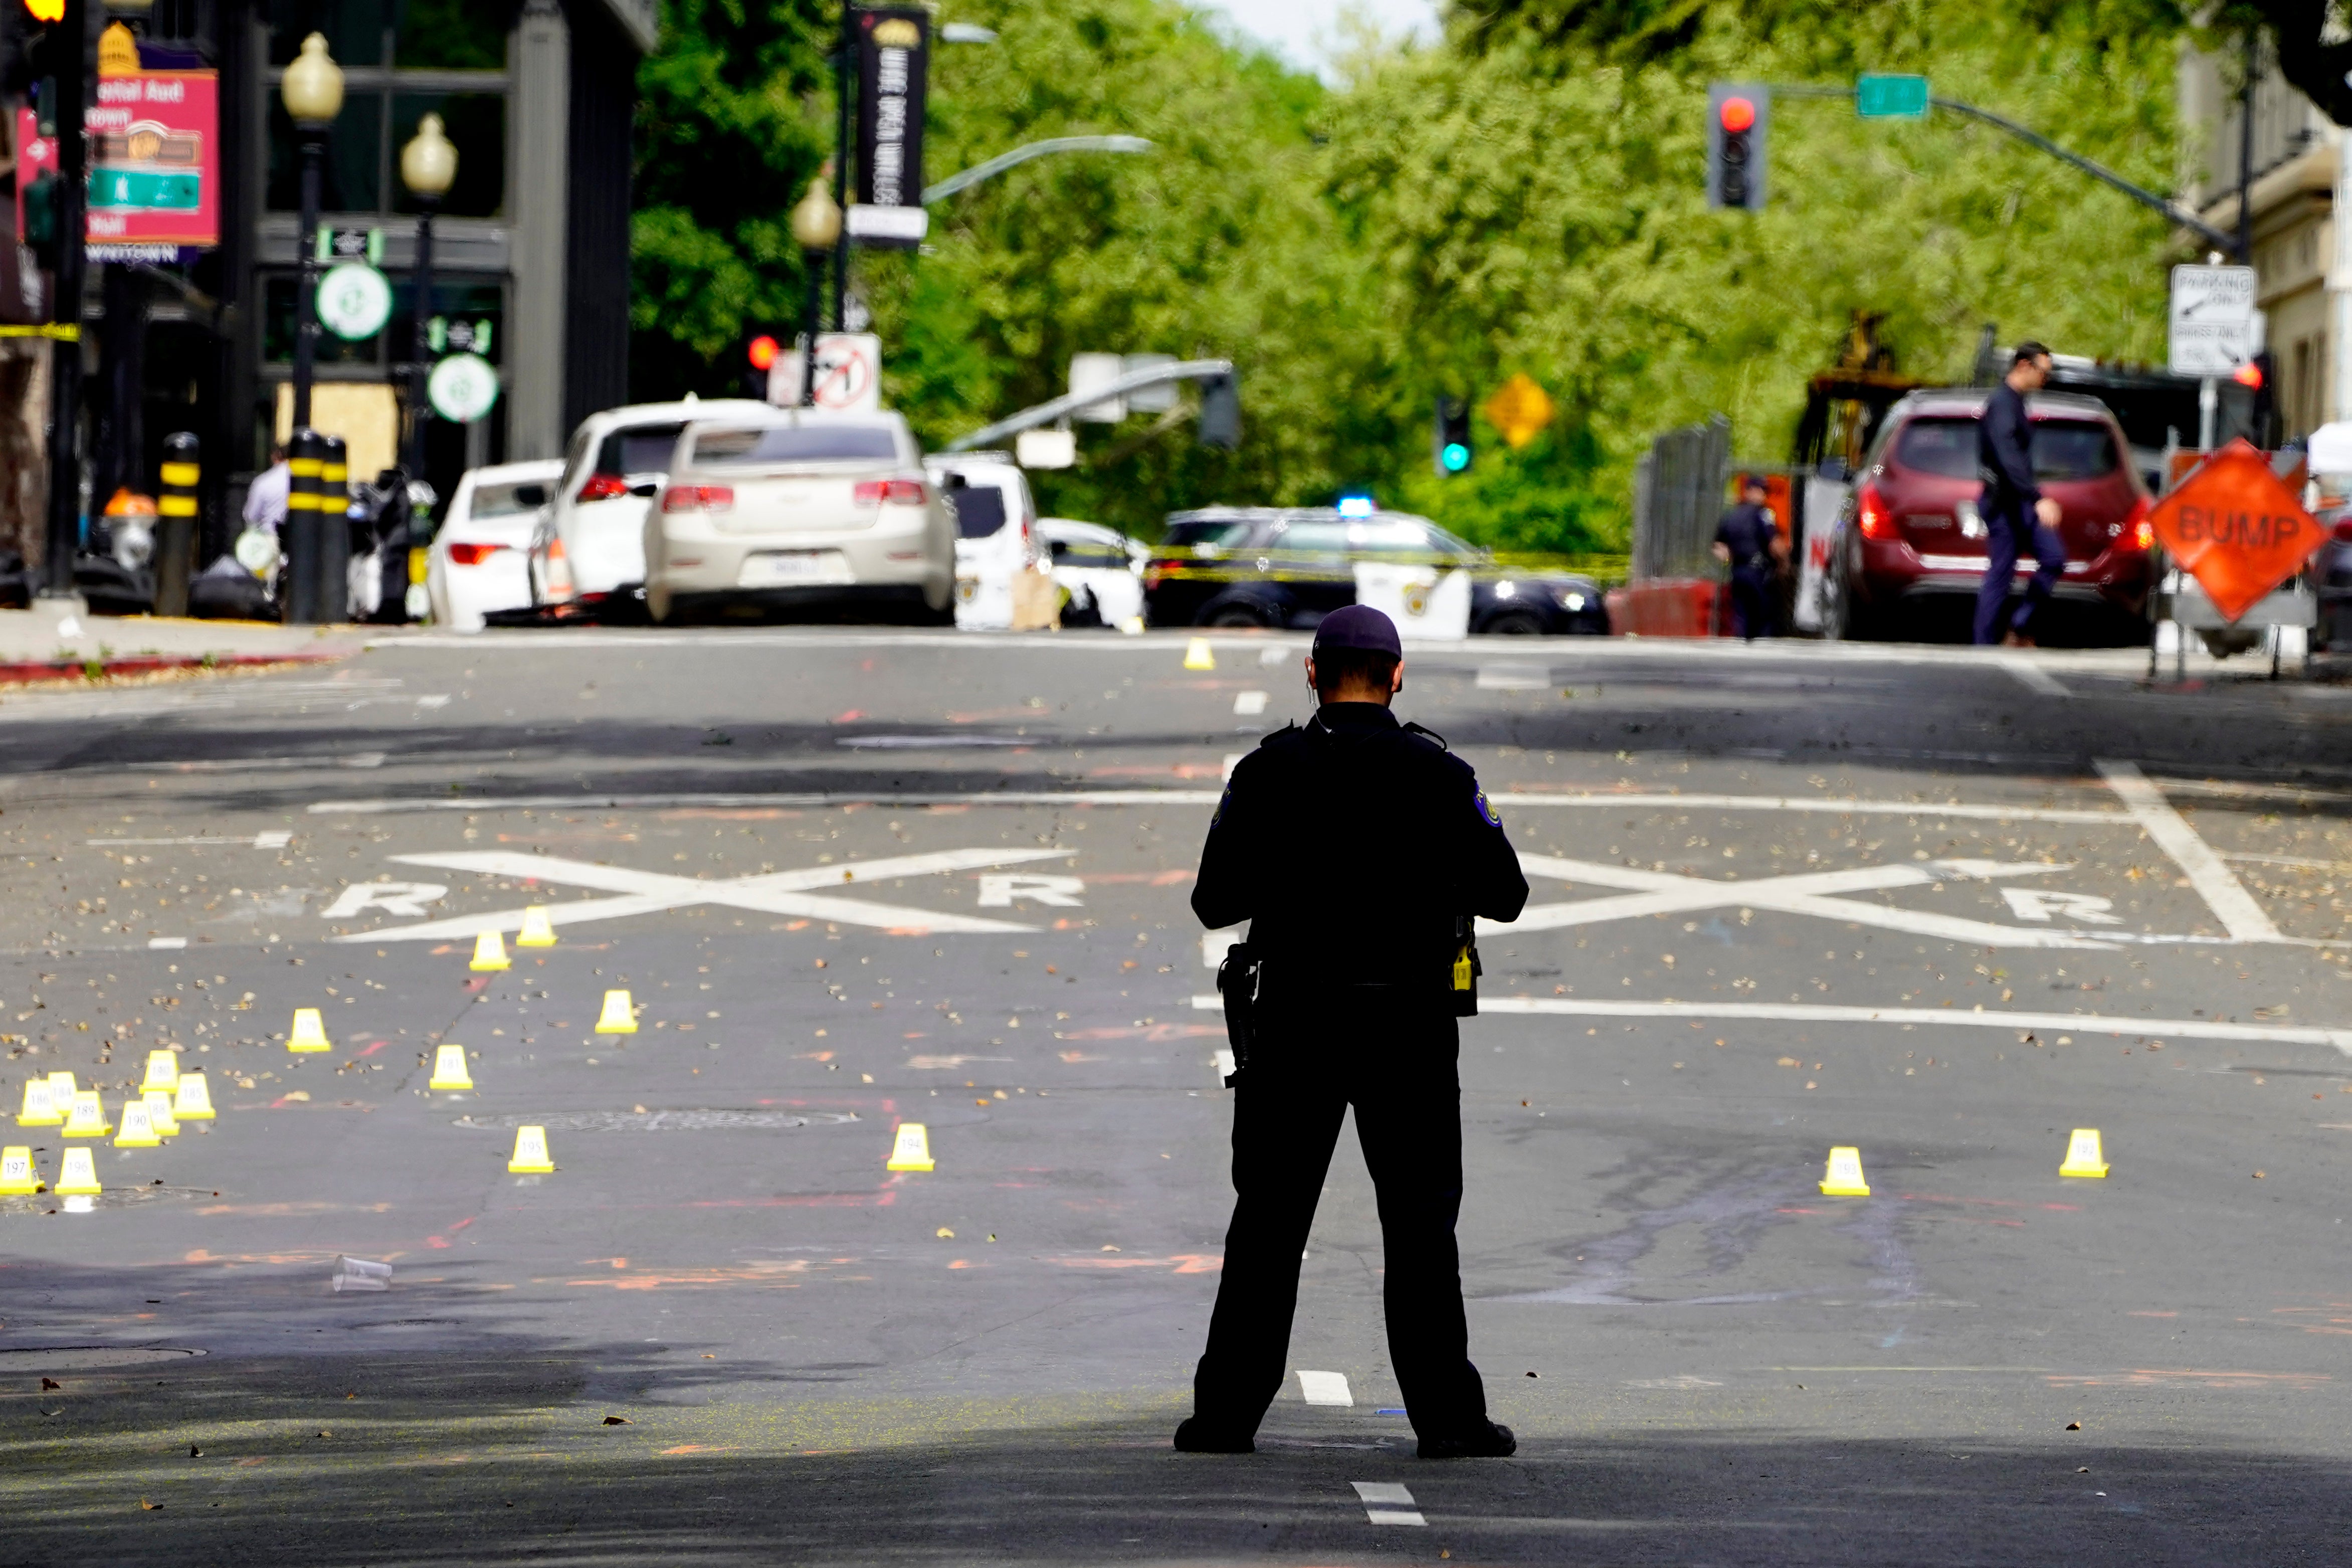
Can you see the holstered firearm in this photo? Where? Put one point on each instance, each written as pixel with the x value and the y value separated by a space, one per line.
pixel 1239 978
pixel 1467 967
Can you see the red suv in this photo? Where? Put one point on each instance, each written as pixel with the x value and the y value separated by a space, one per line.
pixel 1911 535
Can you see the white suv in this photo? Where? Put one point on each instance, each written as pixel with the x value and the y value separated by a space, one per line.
pixel 590 547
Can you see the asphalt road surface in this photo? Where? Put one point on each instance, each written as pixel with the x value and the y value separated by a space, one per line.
pixel 1940 907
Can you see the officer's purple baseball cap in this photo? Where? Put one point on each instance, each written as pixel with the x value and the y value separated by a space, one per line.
pixel 1358 626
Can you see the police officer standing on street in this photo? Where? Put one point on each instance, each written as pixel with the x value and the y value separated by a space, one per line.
pixel 2016 513
pixel 1358 849
pixel 1749 538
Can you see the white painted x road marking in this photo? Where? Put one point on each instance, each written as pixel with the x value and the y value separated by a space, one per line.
pixel 1809 893
pixel 772 893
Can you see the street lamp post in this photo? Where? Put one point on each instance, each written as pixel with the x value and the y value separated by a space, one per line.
pixel 428 166
pixel 816 225
pixel 313 91
pixel 65 312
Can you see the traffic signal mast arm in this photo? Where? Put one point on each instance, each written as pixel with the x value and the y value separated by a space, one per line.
pixel 1133 381
pixel 2164 204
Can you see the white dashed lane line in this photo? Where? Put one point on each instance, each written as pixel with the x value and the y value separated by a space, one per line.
pixel 1249 704
pixel 1387 1502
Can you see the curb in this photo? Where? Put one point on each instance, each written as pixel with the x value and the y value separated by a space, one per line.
pixel 151 664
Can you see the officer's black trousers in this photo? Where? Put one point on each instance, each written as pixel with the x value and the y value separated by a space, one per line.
pixel 1395 1064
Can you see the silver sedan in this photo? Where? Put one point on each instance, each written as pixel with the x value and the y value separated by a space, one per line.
pixel 800 508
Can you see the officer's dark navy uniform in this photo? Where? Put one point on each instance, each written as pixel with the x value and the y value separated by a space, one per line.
pixel 1353 846
pixel 2005 463
pixel 1748 533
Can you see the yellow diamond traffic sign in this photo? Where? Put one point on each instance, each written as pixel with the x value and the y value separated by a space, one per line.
pixel 1520 409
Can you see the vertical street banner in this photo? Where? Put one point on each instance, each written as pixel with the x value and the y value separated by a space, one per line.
pixel 155 163
pixel 893 49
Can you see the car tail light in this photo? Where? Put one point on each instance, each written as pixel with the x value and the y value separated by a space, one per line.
pixel 1870 514
pixel 602 487
pixel 473 555
pixel 698 498
pixel 2138 532
pixel 2343 531
pixel 891 492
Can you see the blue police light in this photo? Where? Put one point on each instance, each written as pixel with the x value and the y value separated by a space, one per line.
pixel 1454 455
pixel 1355 506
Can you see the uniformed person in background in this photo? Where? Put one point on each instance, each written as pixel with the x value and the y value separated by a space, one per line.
pixel 1357 848
pixel 1749 539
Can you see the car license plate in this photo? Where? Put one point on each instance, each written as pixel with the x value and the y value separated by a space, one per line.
pixel 791 568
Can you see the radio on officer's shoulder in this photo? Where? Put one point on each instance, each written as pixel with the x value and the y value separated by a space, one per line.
pixel 1238 980
pixel 1467 967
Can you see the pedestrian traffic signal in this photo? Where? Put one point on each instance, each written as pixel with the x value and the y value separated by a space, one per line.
pixel 1738 114
pixel 42 198
pixel 45 12
pixel 762 352
pixel 1451 434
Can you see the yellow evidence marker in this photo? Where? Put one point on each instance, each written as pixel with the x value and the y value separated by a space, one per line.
pixel 18 1177
pixel 88 1118
pixel 62 1091
pixel 194 1102
pixel 78 1175
pixel 1843 1177
pixel 531 1153
pixel 159 1113
pixel 490 952
pixel 310 1032
pixel 450 1072
pixel 2084 1155
pixel 41 1106
pixel 619 1018
pixel 138 1130
pixel 537 930
pixel 162 1071
pixel 1197 655
pixel 913 1149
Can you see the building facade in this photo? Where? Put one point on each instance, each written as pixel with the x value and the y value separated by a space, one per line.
pixel 531 244
pixel 2294 195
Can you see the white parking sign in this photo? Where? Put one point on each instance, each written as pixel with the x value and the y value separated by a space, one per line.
pixel 2213 320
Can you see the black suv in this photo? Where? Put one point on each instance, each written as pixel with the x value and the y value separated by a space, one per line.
pixel 1287 567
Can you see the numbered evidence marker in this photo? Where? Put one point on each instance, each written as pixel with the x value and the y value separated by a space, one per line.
pixel 619 1018
pixel 310 1032
pixel 537 930
pixel 193 1101
pixel 88 1117
pixel 449 1074
pixel 912 1152
pixel 2084 1155
pixel 162 1071
pixel 138 1129
pixel 159 1112
pixel 77 1174
pixel 41 1106
pixel 18 1177
pixel 1844 1178
pixel 530 1157
pixel 490 952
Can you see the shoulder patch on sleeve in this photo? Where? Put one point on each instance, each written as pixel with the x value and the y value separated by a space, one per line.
pixel 1486 811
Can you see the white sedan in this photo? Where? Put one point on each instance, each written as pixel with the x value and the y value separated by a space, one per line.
pixel 479 563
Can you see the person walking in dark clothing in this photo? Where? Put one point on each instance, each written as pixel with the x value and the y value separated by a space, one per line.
pixel 2016 513
pixel 1357 848
pixel 1751 542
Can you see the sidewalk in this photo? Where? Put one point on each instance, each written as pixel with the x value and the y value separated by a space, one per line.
pixel 37 645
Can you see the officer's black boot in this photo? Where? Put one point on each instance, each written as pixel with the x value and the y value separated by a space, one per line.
pixel 1197 1436
pixel 1491 1440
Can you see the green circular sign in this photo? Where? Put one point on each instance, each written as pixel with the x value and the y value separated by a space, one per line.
pixel 462 388
pixel 354 301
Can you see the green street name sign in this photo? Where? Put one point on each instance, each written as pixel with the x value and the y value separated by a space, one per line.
pixel 1891 97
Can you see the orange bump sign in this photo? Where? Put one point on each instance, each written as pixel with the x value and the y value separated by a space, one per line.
pixel 2236 528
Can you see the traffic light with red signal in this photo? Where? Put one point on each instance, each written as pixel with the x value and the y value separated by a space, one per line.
pixel 760 353
pixel 1738 115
